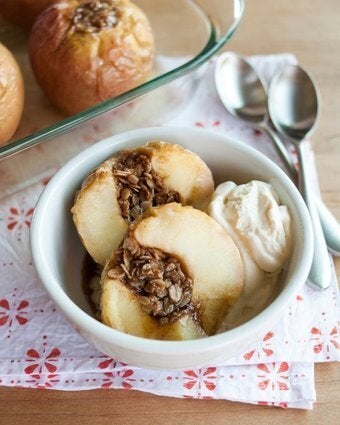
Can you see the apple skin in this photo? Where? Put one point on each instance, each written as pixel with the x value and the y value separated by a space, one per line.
pixel 11 95
pixel 77 70
pixel 23 12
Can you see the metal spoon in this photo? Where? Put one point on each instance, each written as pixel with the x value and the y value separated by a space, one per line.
pixel 294 110
pixel 243 93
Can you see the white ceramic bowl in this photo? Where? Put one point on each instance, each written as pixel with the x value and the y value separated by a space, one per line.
pixel 58 253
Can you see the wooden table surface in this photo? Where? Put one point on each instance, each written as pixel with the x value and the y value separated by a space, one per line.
pixel 311 30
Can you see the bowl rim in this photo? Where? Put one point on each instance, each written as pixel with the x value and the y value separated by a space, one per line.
pixel 135 343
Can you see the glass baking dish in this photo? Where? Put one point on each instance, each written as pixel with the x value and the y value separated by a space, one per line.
pixel 187 34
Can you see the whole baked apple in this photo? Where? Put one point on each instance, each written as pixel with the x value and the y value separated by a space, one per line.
pixel 23 12
pixel 11 95
pixel 84 52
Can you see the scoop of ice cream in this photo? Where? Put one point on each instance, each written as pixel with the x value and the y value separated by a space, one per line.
pixel 255 213
pixel 261 228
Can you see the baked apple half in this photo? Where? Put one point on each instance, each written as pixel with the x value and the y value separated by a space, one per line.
pixel 174 277
pixel 86 51
pixel 121 189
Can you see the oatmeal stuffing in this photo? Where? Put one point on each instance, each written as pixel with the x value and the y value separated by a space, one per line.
pixel 163 288
pixel 96 15
pixel 139 186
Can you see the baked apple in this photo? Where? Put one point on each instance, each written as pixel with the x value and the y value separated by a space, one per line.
pixel 175 276
pixel 11 95
pixel 123 187
pixel 23 12
pixel 86 51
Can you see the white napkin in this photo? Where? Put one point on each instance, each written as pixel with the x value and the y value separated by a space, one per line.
pixel 40 349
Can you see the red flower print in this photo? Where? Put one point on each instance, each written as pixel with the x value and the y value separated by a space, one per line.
pixel 106 363
pixel 19 218
pixel 42 381
pixel 257 132
pixel 13 313
pixel 325 341
pixel 201 379
pixel 215 123
pixel 274 376
pixel 120 379
pixel 317 338
pixel 265 349
pixel 110 363
pixel 270 403
pixel 41 363
pixel 335 337
pixel 46 180
pixel 117 375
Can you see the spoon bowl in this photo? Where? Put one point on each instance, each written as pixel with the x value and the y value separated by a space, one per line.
pixel 244 94
pixel 294 103
pixel 241 90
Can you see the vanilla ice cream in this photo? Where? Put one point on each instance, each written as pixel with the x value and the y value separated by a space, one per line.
pixel 261 228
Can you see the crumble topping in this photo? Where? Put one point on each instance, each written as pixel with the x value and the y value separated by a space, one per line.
pixel 139 186
pixel 158 278
pixel 95 15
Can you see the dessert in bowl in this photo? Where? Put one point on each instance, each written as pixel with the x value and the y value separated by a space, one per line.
pixel 58 253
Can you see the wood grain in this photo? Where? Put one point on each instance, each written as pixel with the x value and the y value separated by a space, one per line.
pixel 311 30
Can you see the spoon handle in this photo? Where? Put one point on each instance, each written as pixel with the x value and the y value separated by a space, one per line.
pixel 329 224
pixel 281 150
pixel 320 274
pixel 330 227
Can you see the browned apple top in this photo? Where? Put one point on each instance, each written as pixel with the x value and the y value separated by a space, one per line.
pixel 95 15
